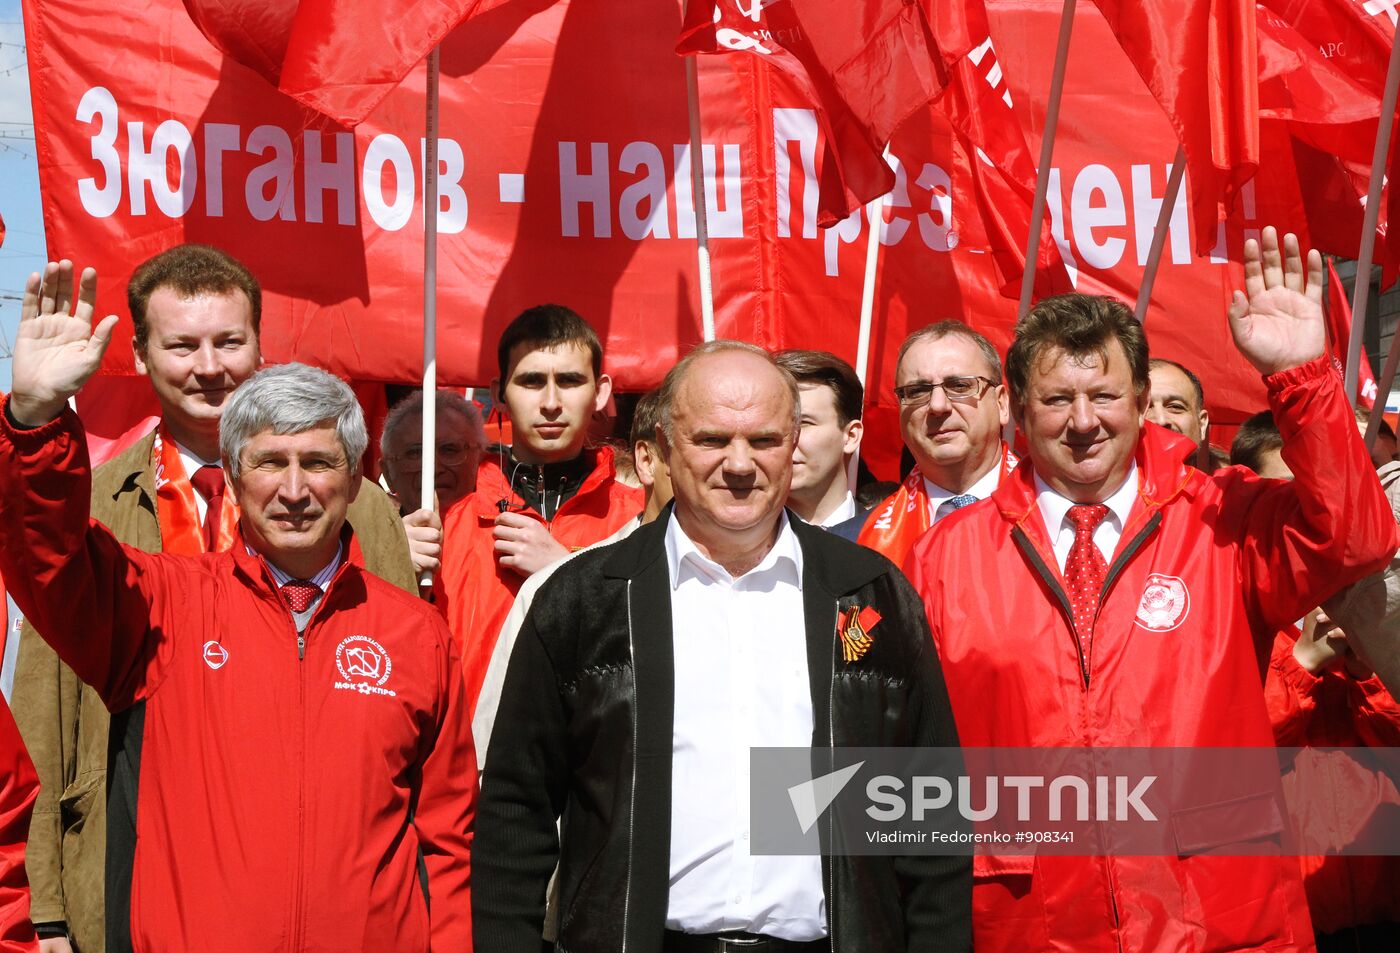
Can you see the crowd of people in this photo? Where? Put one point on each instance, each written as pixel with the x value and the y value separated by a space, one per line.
pixel 272 705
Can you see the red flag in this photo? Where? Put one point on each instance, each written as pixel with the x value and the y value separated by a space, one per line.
pixel 1322 74
pixel 339 57
pixel 865 65
pixel 979 105
pixel 1339 331
pixel 1199 58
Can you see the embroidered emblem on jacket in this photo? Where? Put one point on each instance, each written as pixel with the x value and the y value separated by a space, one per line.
pixel 1165 603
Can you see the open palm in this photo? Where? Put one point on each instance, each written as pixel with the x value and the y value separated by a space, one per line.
pixel 56 348
pixel 1277 321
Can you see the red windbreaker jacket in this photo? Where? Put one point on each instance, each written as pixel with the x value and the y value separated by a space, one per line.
pixel 474 592
pixel 1240 555
pixel 283 800
pixel 19 786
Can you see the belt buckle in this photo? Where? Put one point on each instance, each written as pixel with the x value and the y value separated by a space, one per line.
pixel 741 944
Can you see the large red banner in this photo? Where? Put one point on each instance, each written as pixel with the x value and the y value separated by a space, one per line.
pixel 565 177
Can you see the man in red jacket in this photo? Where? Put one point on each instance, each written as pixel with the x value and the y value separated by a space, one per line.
pixel 19 786
pixel 307 779
pixel 548 496
pixel 1109 595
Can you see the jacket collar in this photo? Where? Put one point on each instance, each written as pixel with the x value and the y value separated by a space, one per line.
pixel 836 573
pixel 493 486
pixel 1163 473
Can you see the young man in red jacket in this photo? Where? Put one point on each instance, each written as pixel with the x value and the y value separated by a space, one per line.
pixel 1109 595
pixel 307 779
pixel 548 496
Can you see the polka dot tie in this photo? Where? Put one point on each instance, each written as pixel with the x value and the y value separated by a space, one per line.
pixel 1085 572
pixel 956 503
pixel 299 594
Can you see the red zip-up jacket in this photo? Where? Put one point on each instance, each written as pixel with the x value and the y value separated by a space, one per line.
pixel 1204 563
pixel 285 791
pixel 475 592
pixel 19 786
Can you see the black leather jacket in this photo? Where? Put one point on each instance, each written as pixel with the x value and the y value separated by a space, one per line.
pixel 584 734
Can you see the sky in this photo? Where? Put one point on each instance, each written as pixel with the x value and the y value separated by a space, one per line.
pixel 23 250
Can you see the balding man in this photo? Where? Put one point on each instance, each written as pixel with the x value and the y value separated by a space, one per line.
pixel 647 670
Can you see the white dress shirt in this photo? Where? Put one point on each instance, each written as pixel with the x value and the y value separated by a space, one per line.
pixel 741 682
pixel 845 511
pixel 982 489
pixel 1055 510
pixel 191 462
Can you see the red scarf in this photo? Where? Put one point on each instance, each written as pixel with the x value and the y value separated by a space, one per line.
pixel 907 515
pixel 176 510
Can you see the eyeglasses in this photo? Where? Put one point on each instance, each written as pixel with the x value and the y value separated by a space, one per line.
pixel 449 453
pixel 963 390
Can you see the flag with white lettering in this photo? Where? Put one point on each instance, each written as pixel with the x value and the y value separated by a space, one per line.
pixel 865 65
pixel 1199 58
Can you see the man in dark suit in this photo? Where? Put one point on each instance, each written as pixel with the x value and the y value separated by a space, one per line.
pixel 647 670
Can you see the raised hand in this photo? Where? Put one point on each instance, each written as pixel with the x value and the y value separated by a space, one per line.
pixel 1277 321
pixel 55 351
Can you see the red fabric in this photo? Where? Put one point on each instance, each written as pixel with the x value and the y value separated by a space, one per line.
pixel 1233 555
pixel 473 592
pixel 865 65
pixel 209 481
pixel 1199 58
pixel 264 776
pixel 896 524
pixel 1337 798
pixel 339 57
pixel 19 786
pixel 1085 572
pixel 1339 333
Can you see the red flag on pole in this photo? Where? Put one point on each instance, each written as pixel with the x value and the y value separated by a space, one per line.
pixel 865 65
pixel 1199 58
pixel 1339 333
pixel 339 57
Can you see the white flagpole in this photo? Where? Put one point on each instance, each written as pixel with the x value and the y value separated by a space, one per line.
pixel 430 227
pixel 1042 177
pixel 876 211
pixel 1159 234
pixel 697 193
pixel 1362 290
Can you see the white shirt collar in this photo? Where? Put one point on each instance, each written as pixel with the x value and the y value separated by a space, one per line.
pixel 843 512
pixel 191 461
pixel 984 487
pixel 1055 507
pixel 683 558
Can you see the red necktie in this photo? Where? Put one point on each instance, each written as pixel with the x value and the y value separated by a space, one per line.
pixel 299 594
pixel 1085 572
pixel 208 481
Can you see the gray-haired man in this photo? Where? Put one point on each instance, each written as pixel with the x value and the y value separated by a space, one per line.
pixel 304 739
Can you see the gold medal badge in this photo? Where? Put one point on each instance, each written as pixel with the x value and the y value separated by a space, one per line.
pixel 853 629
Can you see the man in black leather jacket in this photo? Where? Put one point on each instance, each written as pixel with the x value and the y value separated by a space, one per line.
pixel 646 670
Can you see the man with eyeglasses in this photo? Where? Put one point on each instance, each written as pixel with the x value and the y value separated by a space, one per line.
pixel 461 440
pixel 952 408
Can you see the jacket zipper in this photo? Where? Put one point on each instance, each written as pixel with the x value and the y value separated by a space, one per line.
pixel 831 815
pixel 298 891
pixel 632 803
pixel 1038 564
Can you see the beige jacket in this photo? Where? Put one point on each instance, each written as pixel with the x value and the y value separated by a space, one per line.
pixel 1369 611
pixel 64 723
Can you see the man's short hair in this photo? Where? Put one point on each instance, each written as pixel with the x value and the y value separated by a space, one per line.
pixel 952 326
pixel 548 326
pixel 825 368
pixel 1080 325
pixel 412 406
pixel 1363 417
pixel 1257 436
pixel 1190 376
pixel 676 376
pixel 290 399
pixel 646 417
pixel 189 270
